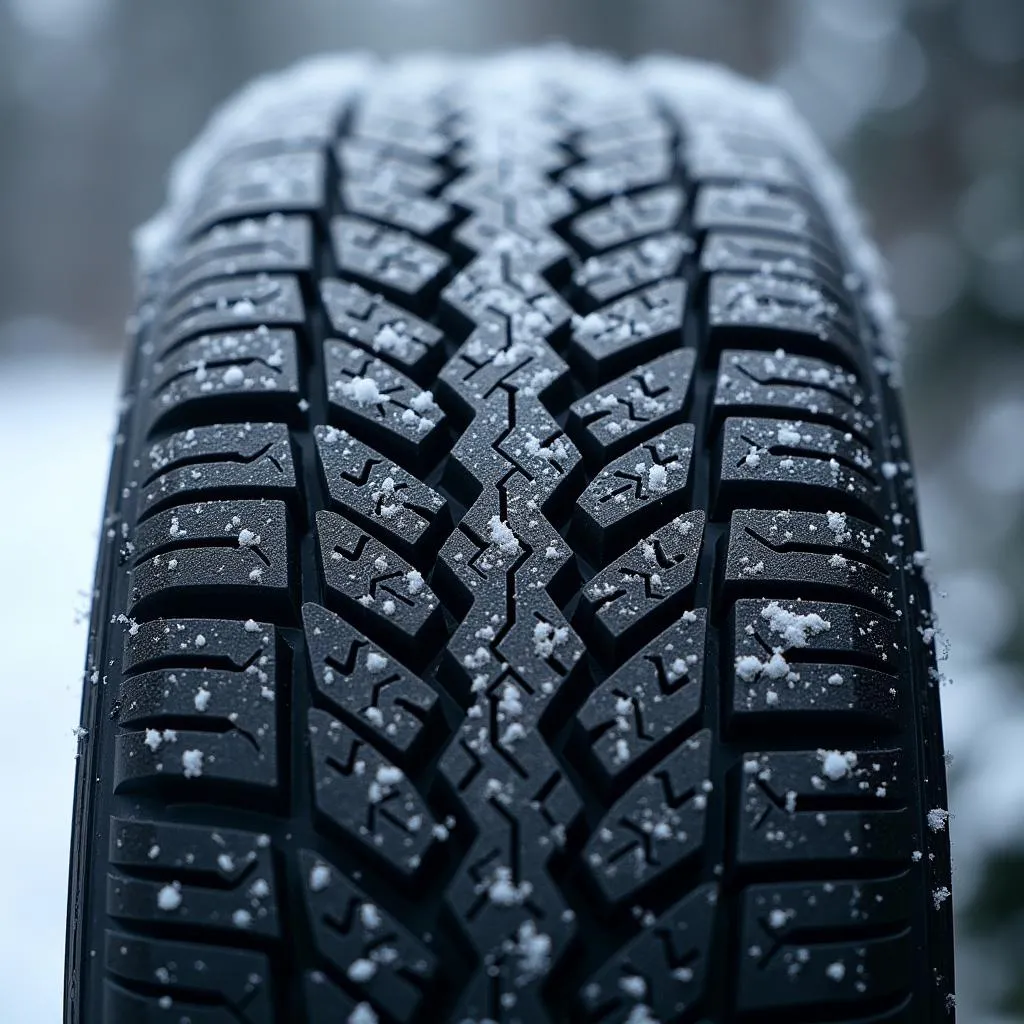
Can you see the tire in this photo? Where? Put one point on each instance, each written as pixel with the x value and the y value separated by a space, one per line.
pixel 510 605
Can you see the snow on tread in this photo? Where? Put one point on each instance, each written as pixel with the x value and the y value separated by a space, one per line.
pixel 503 612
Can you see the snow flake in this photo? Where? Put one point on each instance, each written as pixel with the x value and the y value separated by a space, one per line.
pixel 363 391
pixel 835 764
pixel 192 763
pixel 169 897
pixel 375 662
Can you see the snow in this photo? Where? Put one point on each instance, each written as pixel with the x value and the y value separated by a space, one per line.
pixel 361 970
pixel 693 88
pixel 375 662
pixel 169 897
pixel 836 971
pixel 502 535
pixel 534 951
pixel 192 763
pixel 319 878
pixel 835 764
pixel 633 985
pixel 63 450
pixel 363 1014
pixel 363 391
pixel 292 103
pixel 792 626
pixel 657 478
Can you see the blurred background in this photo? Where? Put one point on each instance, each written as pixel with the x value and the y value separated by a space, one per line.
pixel 921 100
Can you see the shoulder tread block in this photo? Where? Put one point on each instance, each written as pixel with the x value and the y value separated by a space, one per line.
pixel 263 245
pixel 236 460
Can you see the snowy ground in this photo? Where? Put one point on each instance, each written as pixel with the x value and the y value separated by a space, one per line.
pixel 56 418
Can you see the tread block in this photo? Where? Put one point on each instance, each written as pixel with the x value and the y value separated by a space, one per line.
pixel 204 984
pixel 224 460
pixel 525 245
pixel 824 944
pixel 535 201
pixel 203 713
pixel 369 799
pixel 829 552
pixel 231 645
pixel 368 396
pixel 380 592
pixel 643 164
pixel 381 497
pixel 369 161
pixel 192 876
pixel 252 374
pixel 812 694
pixel 628 218
pixel 655 827
pixel 636 492
pixel 773 312
pixel 213 552
pixel 233 304
pixel 402 267
pixel 780 384
pixel 647 703
pixel 714 153
pixel 812 660
pixel 403 129
pixel 823 806
pixel 393 967
pixel 774 256
pixel 752 207
pixel 273 244
pixel 259 184
pixel 661 972
pixel 614 339
pixel 612 419
pixel 777 461
pixel 492 288
pixel 841 633
pixel 490 363
pixel 198 728
pixel 609 276
pixel 378 325
pixel 419 214
pixel 326 1003
pixel 375 694
pixel 644 589
pixel 606 135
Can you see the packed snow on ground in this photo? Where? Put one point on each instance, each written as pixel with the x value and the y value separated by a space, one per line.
pixel 56 423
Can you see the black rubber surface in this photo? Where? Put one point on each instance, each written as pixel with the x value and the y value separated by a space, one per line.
pixel 508 608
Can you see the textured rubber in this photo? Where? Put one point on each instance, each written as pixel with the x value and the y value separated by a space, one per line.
pixel 509 608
